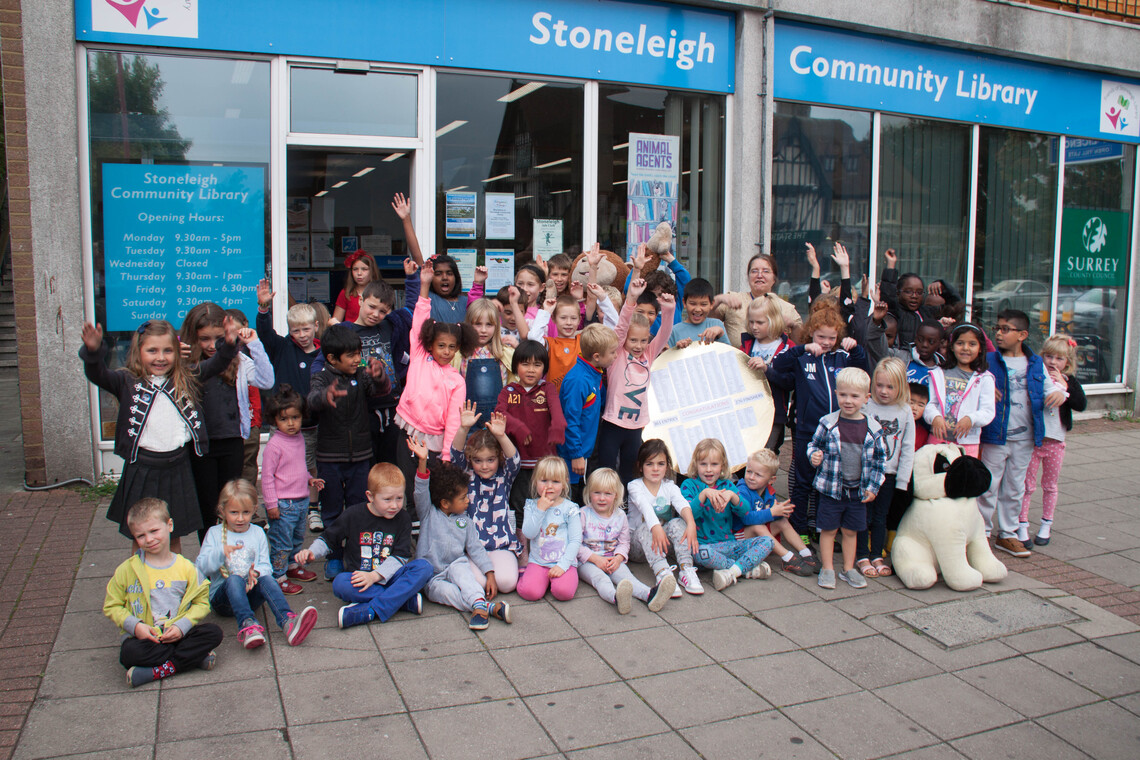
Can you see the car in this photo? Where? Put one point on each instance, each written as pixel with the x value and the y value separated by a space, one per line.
pixel 1009 294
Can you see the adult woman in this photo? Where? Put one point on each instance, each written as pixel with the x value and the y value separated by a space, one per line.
pixel 732 308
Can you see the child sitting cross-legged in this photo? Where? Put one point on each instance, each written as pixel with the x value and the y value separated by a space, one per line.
pixel 553 525
pixel 755 490
pixel 451 543
pixel 605 547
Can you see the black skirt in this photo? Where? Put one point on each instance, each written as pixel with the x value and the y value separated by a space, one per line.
pixel 165 476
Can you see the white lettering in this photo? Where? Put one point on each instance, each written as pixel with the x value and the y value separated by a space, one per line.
pixel 547 29
pixel 580 37
pixel 796 52
pixel 537 20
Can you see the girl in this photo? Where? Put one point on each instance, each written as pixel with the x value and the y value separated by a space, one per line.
pixel 714 500
pixel 961 392
pixel 285 484
pixel 627 412
pixel 159 415
pixel 531 280
pixel 553 524
pixel 226 411
pixel 890 406
pixel 492 462
pixel 434 391
pixel 488 367
pixel 235 557
pixel 764 341
pixel 659 516
pixel 605 547
pixel 362 270
pixel 1060 357
pixel 447 301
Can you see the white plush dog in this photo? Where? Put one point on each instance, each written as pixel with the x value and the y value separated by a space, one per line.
pixel 942 529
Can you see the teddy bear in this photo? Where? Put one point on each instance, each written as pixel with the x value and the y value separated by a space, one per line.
pixel 943 530
pixel 611 274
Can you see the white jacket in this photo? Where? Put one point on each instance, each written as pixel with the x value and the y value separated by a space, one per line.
pixel 977 402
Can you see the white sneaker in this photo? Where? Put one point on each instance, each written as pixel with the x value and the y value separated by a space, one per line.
pixel 676 586
pixel 760 572
pixel 316 524
pixel 690 582
pixel 722 579
pixel 624 596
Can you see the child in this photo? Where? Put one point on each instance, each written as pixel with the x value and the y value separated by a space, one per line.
pixel 450 541
pixel 648 307
pixel 582 397
pixel 890 407
pixel 1018 426
pixel 563 347
pixel 810 371
pixel 755 490
pixel 558 271
pixel 530 279
pixel 1059 354
pixel 919 398
pixel 249 401
pixel 379 576
pixel 553 523
pixel 659 281
pixel 850 454
pixel 338 395
pixel 491 462
pixel 158 598
pixel 285 484
pixel 925 354
pixel 158 416
pixel 447 301
pixel 764 341
pixel 235 557
pixel 435 391
pixel 659 516
pixel 905 296
pixel 627 399
pixel 225 403
pixel 511 303
pixel 488 367
pixel 362 270
pixel 605 547
pixel 715 502
pixel 698 325
pixel 961 392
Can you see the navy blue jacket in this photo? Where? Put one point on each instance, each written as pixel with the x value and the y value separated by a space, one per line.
pixel 1034 384
pixel 813 380
pixel 290 364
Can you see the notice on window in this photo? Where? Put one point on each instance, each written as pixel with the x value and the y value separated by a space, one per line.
pixel 298 250
pixel 653 187
pixel 547 237
pixel 323 250
pixel 175 236
pixel 500 263
pixel 708 392
pixel 460 215
pixel 500 216
pixel 377 245
pixel 465 258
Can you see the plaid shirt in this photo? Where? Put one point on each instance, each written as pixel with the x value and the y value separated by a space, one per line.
pixel 829 474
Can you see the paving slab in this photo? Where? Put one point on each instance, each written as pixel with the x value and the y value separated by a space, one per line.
pixel 534 623
pixel 101 716
pixel 790 678
pixel 626 652
pixel 685 698
pixel 1027 687
pixel 770 731
pixel 859 726
pixel 264 745
pixel 947 706
pixel 972 621
pixel 730 638
pixel 1103 672
pixel 339 694
pixel 1127 645
pixel 810 625
pixel 553 666
pixel 1085 728
pixel 668 745
pixel 596 715
pixel 219 708
pixel 874 661
pixel 386 736
pixel 446 681
pixel 1019 740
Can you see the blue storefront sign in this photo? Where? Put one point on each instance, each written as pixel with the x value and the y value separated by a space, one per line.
pixel 820 65
pixel 175 236
pixel 641 42
pixel 1079 150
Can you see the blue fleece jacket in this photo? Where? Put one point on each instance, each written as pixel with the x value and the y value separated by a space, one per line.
pixel 813 380
pixel 583 398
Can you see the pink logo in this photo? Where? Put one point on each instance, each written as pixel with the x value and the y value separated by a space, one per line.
pixel 1112 114
pixel 129 8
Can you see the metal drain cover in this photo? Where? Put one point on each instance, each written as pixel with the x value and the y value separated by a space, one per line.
pixel 972 621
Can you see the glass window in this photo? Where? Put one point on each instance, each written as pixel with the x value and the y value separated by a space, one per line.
pixel 352 103
pixel 1016 224
pixel 924 196
pixel 1096 229
pixel 185 117
pixel 518 136
pixel 816 198
pixel 699 122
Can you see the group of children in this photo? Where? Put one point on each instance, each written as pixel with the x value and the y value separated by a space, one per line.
pixel 509 429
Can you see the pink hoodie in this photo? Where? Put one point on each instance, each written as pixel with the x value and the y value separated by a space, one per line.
pixel 433 394
pixel 627 379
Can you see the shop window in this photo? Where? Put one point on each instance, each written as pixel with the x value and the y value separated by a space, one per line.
pixel 162 125
pixel 352 103
pixel 522 140
pixel 1096 230
pixel 696 204
pixel 924 173
pixel 1016 224
pixel 813 194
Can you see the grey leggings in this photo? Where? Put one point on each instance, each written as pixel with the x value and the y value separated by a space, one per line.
pixel 606 583
pixel 641 546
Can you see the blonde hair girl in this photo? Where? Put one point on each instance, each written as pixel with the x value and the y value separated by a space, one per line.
pixel 553 525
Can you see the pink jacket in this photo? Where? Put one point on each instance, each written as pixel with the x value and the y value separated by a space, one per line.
pixel 433 394
pixel 627 379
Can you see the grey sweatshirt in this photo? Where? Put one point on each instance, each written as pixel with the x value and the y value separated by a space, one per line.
pixel 445 538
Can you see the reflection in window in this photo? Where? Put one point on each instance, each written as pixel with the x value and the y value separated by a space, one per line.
pixel 699 121
pixel 924 175
pixel 816 198
pixel 342 103
pixel 1016 223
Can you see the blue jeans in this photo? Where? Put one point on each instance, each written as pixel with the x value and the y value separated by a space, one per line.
pixel 287 533
pixel 484 381
pixel 385 600
pixel 345 483
pixel 722 555
pixel 231 600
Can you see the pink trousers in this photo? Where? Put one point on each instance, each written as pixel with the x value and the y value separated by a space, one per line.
pixel 536 579
pixel 1050 454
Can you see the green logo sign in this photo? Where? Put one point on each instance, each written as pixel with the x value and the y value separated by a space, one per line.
pixel 1094 248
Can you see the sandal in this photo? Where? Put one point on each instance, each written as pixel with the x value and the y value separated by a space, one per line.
pixel 881 567
pixel 868 570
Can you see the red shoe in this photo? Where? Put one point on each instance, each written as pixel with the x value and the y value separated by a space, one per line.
pixel 289 588
pixel 300 574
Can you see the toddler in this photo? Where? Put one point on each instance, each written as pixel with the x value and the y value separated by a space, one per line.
pixel 755 490
pixel 660 518
pixel 553 525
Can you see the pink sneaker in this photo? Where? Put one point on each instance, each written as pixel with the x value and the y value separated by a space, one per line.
pixel 297 627
pixel 252 636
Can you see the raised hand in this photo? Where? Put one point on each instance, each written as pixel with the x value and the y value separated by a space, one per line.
pixel 231 328
pixel 841 258
pixel 247 335
pixel 891 257
pixel 480 274
pixel 636 288
pixel 578 290
pixel 264 294
pixel 418 447
pixel 812 259
pixel 332 394
pixel 410 267
pixel 402 206
pixel 664 299
pixel 848 343
pixel 641 259
pixel 594 256
pixel 597 291
pixel 92 336
pixel 468 415
pixel 497 425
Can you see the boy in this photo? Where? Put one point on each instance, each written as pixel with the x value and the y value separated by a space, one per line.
pixel 755 490
pixel 292 359
pixel 849 453
pixel 512 304
pixel 698 325
pixel 451 543
pixel 925 354
pixel 905 296
pixel 659 281
pixel 379 576
pixel 558 271
pixel 919 396
pixel 1024 390
pixel 339 396
pixel 582 398
pixel 159 598
pixel 648 307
